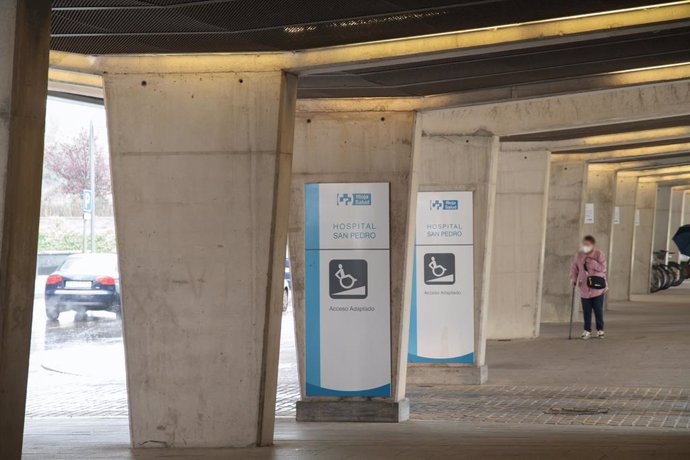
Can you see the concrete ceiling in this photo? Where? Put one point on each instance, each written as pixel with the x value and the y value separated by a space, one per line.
pixel 487 47
pixel 479 52
pixel 213 26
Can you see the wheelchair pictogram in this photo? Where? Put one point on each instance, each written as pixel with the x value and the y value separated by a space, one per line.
pixel 439 268
pixel 340 274
pixel 348 279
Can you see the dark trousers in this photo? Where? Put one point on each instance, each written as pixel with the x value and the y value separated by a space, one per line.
pixel 595 304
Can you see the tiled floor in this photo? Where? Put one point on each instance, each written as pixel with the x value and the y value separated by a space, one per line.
pixel 627 396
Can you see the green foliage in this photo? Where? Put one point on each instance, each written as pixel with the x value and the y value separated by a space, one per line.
pixel 72 241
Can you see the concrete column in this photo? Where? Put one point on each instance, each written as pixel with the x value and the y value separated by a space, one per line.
pixel 519 237
pixel 620 245
pixel 599 196
pixel 662 219
pixel 24 38
pixel 566 185
pixel 356 147
pixel 677 210
pixel 466 163
pixel 201 182
pixel 686 209
pixel 678 205
pixel 643 238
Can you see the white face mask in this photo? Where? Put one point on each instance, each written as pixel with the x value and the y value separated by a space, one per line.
pixel 586 249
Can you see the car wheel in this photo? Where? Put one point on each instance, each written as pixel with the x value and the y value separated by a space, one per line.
pixel 286 299
pixel 52 312
pixel 118 311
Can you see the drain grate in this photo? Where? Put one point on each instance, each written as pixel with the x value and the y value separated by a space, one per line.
pixel 578 410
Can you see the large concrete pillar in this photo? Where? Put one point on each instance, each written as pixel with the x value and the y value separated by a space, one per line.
pixel 24 38
pixel 678 209
pixel 352 147
pixel 598 204
pixel 518 247
pixel 686 209
pixel 620 245
pixel 662 219
pixel 448 162
pixel 201 182
pixel 643 237
pixel 566 185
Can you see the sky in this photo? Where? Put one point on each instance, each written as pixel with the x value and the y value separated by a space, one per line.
pixel 65 118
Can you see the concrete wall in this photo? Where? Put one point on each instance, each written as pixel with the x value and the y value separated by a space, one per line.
pixel 201 168
pixel 456 162
pixel 678 209
pixel 662 219
pixel 356 147
pixel 566 185
pixel 643 238
pixel 518 252
pixel 600 192
pixel 24 44
pixel 686 209
pixel 620 245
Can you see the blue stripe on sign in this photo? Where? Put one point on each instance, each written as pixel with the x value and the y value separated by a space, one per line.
pixel 383 391
pixel 312 312
pixel 466 359
pixel 311 216
pixel 413 306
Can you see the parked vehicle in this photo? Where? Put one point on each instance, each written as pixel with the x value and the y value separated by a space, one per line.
pixel 84 282
pixel 666 275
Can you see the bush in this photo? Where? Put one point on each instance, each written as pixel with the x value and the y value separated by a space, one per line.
pixel 72 241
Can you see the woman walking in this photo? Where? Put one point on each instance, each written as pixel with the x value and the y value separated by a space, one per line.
pixel 590 262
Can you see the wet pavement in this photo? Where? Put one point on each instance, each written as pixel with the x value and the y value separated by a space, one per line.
pixel 77 368
pixel 636 377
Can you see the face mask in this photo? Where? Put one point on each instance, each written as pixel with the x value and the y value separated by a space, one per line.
pixel 586 249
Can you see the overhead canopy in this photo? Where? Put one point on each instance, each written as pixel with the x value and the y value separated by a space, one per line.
pixel 203 26
pixel 560 54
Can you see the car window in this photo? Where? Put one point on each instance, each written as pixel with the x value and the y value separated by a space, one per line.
pixel 90 264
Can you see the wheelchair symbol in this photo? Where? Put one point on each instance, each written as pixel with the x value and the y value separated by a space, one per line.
pixel 439 268
pixel 348 279
pixel 340 274
pixel 435 266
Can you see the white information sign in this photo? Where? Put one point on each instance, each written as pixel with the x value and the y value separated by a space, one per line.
pixel 589 213
pixel 442 310
pixel 616 215
pixel 347 289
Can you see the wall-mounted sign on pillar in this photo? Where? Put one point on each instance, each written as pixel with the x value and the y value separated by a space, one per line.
pixel 442 307
pixel 589 213
pixel 347 289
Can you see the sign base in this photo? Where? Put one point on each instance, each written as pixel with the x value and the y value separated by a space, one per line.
pixel 372 410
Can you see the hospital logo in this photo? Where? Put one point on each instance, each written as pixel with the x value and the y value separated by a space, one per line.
pixel 354 199
pixel 348 279
pixel 439 268
pixel 444 205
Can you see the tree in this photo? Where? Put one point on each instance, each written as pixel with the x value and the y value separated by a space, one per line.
pixel 68 162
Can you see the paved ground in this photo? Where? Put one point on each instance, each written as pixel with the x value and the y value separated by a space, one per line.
pixel 108 439
pixel 637 377
pixel 77 368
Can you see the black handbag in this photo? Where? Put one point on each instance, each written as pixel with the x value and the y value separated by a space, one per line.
pixel 595 282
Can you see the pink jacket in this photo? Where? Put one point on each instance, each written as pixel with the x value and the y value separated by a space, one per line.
pixel 596 266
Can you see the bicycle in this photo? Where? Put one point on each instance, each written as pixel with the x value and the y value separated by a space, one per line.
pixel 665 275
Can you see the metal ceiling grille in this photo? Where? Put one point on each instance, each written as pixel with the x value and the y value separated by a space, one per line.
pixel 179 26
pixel 506 69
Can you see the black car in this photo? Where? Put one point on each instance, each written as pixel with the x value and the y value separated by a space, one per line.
pixel 84 282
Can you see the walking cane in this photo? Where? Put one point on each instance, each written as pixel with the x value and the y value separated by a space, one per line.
pixel 572 310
